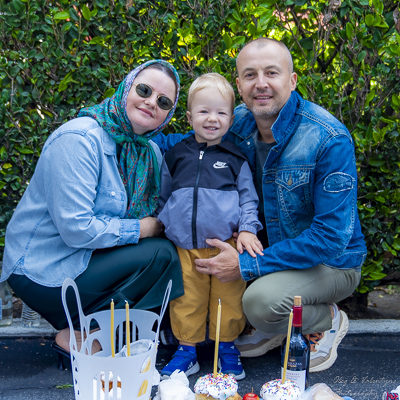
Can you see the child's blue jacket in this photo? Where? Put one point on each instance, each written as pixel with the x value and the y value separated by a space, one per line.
pixel 206 193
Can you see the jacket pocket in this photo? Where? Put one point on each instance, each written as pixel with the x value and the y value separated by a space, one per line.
pixel 110 201
pixel 295 200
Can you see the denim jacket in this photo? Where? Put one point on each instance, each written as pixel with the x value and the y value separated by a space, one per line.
pixel 75 203
pixel 309 189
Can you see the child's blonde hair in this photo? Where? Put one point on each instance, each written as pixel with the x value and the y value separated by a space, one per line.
pixel 211 79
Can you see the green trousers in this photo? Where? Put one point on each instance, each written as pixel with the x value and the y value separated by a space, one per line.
pixel 268 300
pixel 137 273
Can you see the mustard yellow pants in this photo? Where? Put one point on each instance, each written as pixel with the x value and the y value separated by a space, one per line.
pixel 189 312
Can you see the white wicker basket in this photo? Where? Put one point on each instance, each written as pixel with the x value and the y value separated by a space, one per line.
pixel 96 376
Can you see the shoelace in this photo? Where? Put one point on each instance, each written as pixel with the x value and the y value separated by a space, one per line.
pixel 314 338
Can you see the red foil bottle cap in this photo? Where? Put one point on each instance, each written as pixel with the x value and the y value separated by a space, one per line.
pixel 297 311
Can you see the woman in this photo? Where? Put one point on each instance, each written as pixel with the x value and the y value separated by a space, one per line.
pixel 87 212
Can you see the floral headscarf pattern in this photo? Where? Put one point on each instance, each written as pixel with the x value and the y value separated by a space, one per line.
pixel 137 163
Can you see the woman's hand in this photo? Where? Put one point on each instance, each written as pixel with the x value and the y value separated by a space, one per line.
pixel 149 227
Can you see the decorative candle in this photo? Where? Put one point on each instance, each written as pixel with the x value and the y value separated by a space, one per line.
pixel 128 330
pixel 217 337
pixel 287 347
pixel 112 329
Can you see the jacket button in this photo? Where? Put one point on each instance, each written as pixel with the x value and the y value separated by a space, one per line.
pixel 248 143
pixel 113 193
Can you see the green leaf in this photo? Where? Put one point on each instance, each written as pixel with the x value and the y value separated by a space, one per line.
pixel 307 43
pixel 369 20
pixel 86 12
pixel 370 96
pixel 109 92
pixel 396 244
pixel 349 30
pixel 227 40
pixel 24 150
pixel 196 50
pixel 375 162
pixel 236 15
pixel 62 15
pixel 361 55
pixel 18 6
pixel 3 153
pixel 97 40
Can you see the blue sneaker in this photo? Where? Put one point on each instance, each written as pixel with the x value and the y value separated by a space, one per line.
pixel 229 360
pixel 184 359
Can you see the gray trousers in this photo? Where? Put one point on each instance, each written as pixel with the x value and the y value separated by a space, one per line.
pixel 268 300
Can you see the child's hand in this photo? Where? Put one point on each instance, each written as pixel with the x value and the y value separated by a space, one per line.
pixel 249 241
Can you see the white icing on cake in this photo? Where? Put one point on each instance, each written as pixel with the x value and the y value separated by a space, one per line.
pixel 221 387
pixel 275 390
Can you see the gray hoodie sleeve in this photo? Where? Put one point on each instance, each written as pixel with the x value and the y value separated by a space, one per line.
pixel 248 201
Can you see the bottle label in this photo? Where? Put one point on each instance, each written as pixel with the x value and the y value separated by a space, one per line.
pixel 298 377
pixel 297 370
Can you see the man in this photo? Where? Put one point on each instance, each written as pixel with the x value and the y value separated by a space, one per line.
pixel 305 174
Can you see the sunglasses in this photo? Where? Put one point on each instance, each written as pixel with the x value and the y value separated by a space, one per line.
pixel 145 91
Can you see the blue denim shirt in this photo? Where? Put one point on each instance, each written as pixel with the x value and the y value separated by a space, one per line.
pixel 75 203
pixel 309 189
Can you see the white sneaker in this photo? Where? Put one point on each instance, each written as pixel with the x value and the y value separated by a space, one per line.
pixel 254 343
pixel 323 345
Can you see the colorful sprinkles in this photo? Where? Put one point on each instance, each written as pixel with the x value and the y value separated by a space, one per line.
pixel 221 387
pixel 276 390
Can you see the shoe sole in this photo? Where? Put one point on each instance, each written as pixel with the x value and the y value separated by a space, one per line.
pixel 190 371
pixel 343 328
pixel 262 347
pixel 237 377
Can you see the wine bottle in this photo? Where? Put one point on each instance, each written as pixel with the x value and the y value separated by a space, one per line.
pixel 299 350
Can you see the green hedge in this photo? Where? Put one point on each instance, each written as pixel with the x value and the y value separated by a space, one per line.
pixel 56 57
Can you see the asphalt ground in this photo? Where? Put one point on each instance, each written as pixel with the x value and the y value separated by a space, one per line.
pixel 368 364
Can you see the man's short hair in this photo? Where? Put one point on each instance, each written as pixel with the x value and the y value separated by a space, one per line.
pixel 262 42
pixel 210 80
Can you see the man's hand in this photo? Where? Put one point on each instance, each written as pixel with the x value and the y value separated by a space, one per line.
pixel 149 227
pixel 225 266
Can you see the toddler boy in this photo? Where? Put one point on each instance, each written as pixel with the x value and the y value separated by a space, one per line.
pixel 207 192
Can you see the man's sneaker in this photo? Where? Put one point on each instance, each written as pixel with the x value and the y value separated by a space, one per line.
pixel 229 360
pixel 254 343
pixel 323 345
pixel 184 359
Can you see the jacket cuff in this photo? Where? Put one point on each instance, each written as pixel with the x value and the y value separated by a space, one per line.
pixel 248 228
pixel 129 232
pixel 249 267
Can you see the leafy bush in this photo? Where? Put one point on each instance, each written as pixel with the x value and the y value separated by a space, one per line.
pixel 57 57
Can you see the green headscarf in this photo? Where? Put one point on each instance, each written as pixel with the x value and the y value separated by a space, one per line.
pixel 137 163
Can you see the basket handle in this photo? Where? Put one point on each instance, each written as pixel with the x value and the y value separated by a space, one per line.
pixel 66 284
pixel 164 304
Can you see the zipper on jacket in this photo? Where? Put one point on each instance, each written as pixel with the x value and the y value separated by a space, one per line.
pixel 195 197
